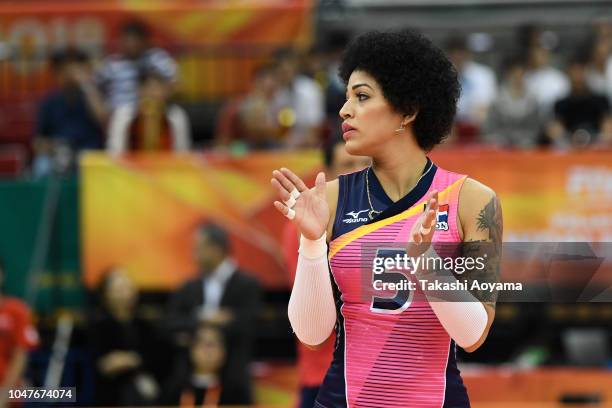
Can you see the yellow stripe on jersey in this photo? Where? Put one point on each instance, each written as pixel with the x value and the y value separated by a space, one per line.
pixel 337 244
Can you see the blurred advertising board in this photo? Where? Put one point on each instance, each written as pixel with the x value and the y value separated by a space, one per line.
pixel 140 211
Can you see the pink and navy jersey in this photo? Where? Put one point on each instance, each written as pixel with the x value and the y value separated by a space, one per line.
pixel 391 350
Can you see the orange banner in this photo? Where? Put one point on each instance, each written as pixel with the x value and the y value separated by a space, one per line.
pixel 43 25
pixel 545 196
pixel 217 44
pixel 140 212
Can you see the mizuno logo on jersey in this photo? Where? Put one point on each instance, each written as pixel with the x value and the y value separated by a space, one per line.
pixel 355 217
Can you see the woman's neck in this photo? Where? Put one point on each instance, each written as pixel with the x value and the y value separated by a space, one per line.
pixel 400 166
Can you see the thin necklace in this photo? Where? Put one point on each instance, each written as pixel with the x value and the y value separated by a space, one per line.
pixel 373 213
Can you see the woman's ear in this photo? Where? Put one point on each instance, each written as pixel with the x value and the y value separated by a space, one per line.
pixel 409 118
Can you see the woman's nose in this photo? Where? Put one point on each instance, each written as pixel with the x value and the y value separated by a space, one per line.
pixel 346 111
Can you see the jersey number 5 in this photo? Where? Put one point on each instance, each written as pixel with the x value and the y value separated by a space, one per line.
pixel 383 278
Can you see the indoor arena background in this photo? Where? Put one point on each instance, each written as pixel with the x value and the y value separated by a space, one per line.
pixel 74 207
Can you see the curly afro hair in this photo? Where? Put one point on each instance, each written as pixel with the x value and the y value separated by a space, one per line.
pixel 415 76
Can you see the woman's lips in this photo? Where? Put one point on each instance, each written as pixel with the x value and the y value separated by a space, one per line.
pixel 348 134
pixel 347 131
pixel 346 127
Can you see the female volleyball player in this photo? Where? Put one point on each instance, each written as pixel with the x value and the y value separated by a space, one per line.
pixel 394 348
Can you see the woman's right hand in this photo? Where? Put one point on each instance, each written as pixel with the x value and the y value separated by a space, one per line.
pixel 311 208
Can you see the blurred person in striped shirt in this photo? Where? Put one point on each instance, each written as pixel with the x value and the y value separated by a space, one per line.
pixel 118 76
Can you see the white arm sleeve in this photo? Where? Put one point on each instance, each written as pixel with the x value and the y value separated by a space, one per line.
pixel 465 322
pixel 462 315
pixel 312 311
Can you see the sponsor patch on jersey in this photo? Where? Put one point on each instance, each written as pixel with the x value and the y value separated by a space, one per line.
pixel 442 218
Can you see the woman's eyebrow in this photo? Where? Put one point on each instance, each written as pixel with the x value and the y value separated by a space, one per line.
pixel 358 85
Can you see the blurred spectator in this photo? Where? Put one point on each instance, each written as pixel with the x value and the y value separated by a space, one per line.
pixel 313 65
pixel 248 121
pixel 313 364
pixel 228 129
pixel 599 71
pixel 478 88
pixel 153 123
pixel 335 90
pixel 298 104
pixel 17 336
pixel 255 112
pixel 70 118
pixel 513 119
pixel 544 82
pixel 223 296
pixel 119 341
pixel 582 115
pixel 201 385
pixel 118 76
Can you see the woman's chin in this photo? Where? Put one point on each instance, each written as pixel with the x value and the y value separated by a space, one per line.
pixel 355 148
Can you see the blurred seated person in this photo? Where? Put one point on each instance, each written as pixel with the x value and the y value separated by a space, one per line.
pixel 153 123
pixel 598 77
pixel 223 296
pixel 513 119
pixel 599 72
pixel 199 382
pixel 118 338
pixel 478 89
pixel 256 112
pixel 228 129
pixel 249 120
pixel 299 103
pixel 118 75
pixel 17 337
pixel 582 118
pixel 335 89
pixel 70 118
pixel 543 80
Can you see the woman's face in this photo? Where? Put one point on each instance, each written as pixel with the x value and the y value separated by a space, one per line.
pixel 369 119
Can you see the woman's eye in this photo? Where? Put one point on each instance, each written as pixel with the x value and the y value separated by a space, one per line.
pixel 362 97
